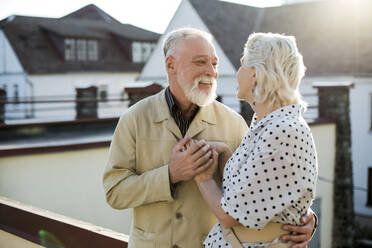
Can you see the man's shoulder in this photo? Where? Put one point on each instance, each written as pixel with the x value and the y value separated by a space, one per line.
pixel 226 111
pixel 145 105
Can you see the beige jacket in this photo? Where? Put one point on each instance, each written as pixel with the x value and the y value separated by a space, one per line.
pixel 137 175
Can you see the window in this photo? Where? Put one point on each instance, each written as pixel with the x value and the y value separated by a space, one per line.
pixel 69 49
pixel 141 51
pixel 92 50
pixel 136 52
pixel 369 190
pixel 81 50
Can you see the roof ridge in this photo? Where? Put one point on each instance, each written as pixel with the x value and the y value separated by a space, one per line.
pixel 83 13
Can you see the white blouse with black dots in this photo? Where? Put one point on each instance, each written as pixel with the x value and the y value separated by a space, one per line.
pixel 271 176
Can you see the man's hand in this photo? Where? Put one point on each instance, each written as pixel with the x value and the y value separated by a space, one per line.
pixel 185 164
pixel 303 236
pixel 209 172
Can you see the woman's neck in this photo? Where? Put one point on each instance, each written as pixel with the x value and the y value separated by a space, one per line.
pixel 264 109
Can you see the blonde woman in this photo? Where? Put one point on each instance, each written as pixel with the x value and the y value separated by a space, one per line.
pixel 270 179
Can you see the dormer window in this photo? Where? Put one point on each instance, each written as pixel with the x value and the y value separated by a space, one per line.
pixel 69 49
pixel 81 50
pixel 141 51
pixel 92 50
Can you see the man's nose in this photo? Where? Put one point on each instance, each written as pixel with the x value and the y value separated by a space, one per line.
pixel 211 71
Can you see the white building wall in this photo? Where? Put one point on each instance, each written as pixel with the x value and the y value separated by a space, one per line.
pixel 54 85
pixel 361 141
pixel 12 77
pixel 325 141
pixel 67 183
pixel 9 62
pixel 154 69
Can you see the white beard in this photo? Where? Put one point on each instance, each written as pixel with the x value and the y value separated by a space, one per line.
pixel 199 97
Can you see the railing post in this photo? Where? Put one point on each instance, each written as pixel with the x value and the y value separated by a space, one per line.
pixel 86 109
pixel 334 102
pixel 2 105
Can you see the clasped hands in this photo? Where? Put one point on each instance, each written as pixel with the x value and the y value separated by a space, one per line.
pixel 194 159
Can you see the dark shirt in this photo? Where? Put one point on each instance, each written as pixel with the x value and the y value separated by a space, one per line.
pixel 176 112
pixel 182 123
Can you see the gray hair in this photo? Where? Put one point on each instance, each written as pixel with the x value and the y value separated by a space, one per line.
pixel 279 68
pixel 173 37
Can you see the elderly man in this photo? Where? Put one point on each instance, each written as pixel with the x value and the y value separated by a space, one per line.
pixel 148 169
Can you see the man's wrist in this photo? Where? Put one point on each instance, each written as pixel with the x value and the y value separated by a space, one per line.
pixel 172 186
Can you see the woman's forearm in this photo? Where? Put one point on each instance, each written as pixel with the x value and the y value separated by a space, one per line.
pixel 225 153
pixel 212 194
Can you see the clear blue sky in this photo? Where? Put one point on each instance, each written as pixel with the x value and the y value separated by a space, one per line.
pixel 148 14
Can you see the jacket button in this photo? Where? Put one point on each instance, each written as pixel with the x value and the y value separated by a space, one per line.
pixel 178 215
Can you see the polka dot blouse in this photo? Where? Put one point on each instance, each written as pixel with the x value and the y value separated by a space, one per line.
pixel 271 176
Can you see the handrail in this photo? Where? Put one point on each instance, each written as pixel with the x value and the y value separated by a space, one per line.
pixel 65 100
pixel 26 221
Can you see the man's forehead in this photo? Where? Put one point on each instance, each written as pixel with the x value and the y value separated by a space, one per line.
pixel 195 46
pixel 202 56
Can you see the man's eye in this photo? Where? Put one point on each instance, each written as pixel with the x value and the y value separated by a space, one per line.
pixel 200 62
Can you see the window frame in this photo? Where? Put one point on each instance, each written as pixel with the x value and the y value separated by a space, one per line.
pixel 141 51
pixel 81 50
pixel 70 51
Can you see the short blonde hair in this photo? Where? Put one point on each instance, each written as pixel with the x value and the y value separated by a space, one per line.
pixel 279 68
pixel 173 37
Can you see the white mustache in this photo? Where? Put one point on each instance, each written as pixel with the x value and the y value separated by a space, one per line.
pixel 205 80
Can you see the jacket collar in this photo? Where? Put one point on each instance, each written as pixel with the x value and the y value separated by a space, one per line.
pixel 161 111
pixel 206 115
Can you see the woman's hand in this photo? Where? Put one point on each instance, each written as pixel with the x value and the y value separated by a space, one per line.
pixel 220 147
pixel 224 153
pixel 208 173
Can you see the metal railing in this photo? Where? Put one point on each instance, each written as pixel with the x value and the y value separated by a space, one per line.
pixel 65 106
pixel 60 106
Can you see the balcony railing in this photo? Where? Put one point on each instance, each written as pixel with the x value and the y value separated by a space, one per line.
pixel 26 226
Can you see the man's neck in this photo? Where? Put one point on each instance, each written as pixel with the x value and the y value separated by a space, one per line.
pixel 187 107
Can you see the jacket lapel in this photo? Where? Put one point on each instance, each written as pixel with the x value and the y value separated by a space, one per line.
pixel 171 125
pixel 196 127
pixel 161 115
pixel 202 120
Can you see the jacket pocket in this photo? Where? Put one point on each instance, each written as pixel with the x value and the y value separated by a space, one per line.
pixel 142 239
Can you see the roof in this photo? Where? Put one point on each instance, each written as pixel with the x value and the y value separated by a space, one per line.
pixel 39 42
pixel 334 36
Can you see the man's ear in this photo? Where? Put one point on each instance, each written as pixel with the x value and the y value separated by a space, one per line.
pixel 170 64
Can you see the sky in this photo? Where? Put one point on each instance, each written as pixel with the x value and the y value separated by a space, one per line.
pixel 148 14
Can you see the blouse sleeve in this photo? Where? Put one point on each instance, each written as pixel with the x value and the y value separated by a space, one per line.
pixel 272 178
